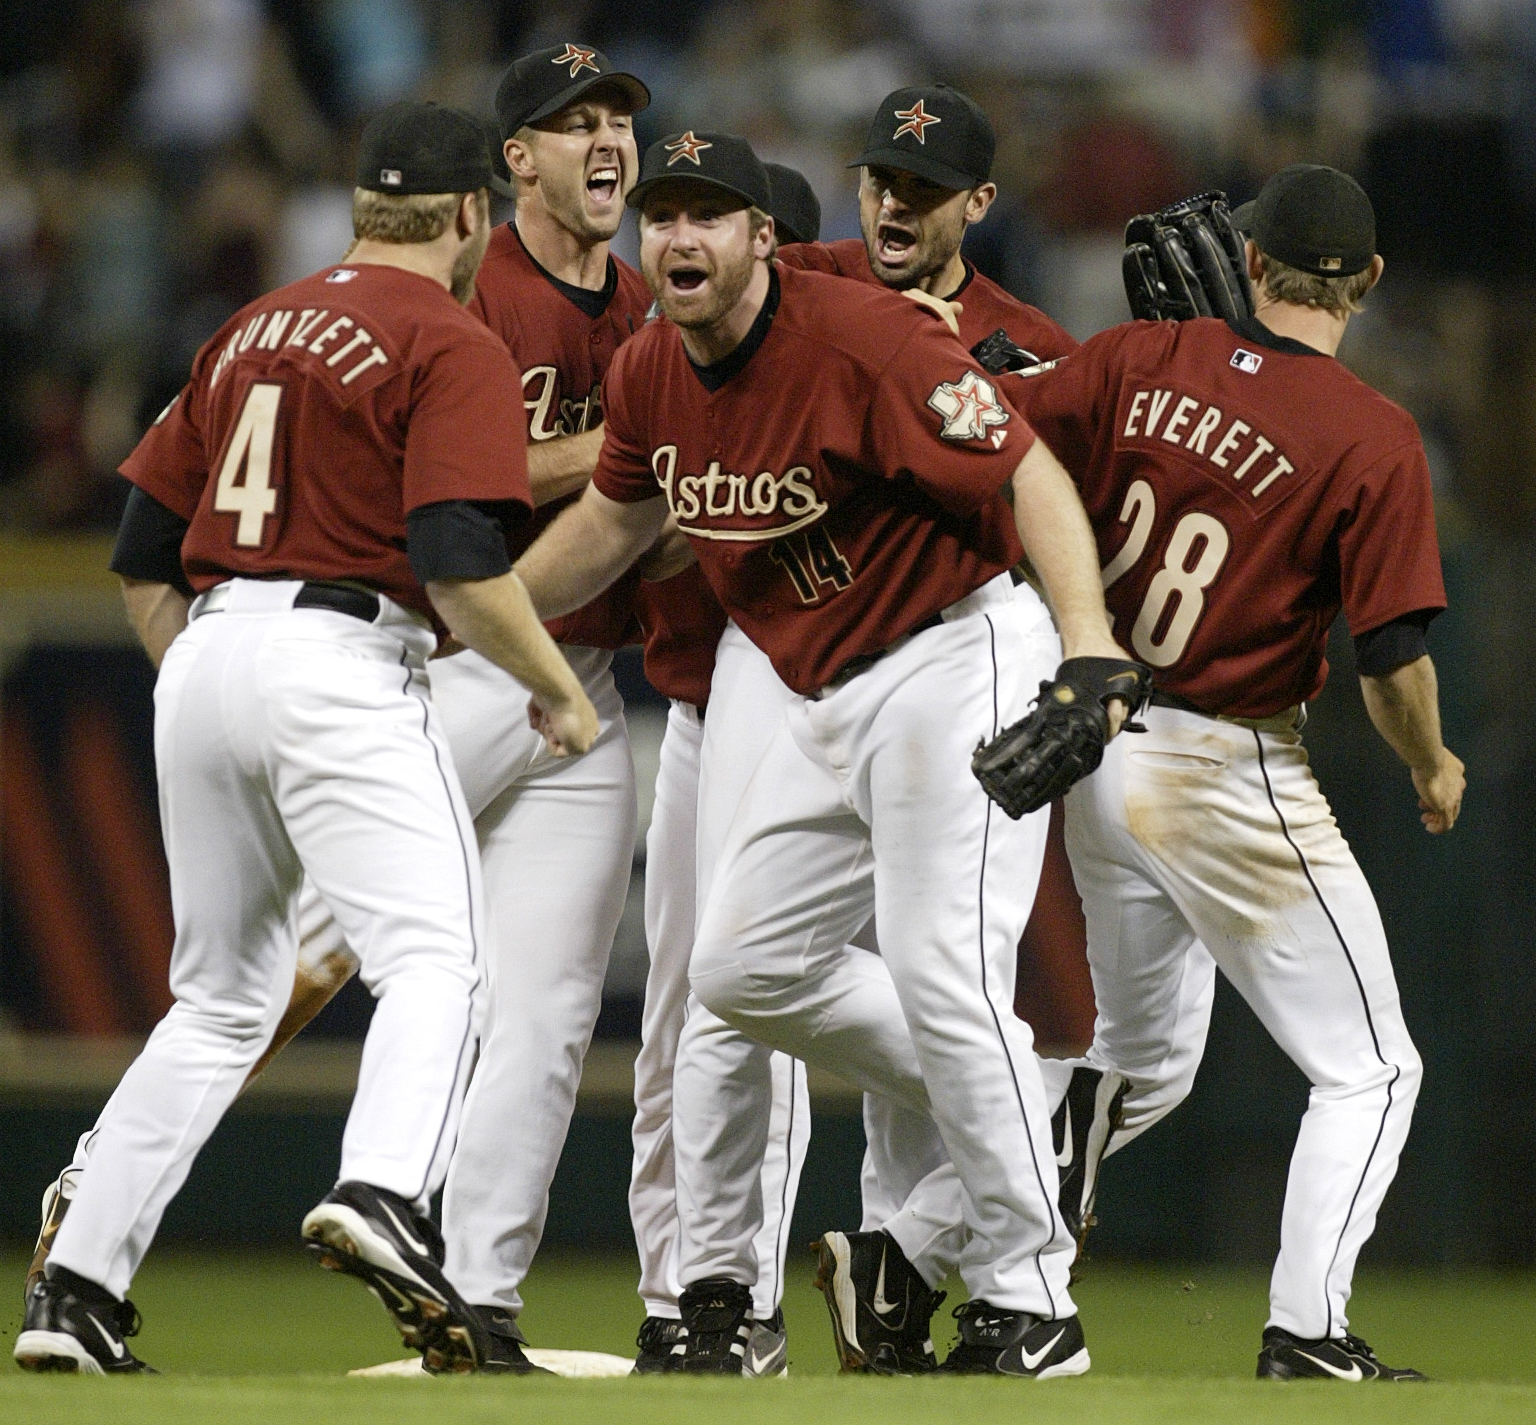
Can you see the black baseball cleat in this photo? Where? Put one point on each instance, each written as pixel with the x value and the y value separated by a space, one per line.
pixel 378 1237
pixel 717 1324
pixel 504 1344
pixel 75 1326
pixel 1092 1110
pixel 1347 1358
pixel 767 1348
pixel 56 1199
pixel 661 1346
pixel 880 1305
pixel 1014 1343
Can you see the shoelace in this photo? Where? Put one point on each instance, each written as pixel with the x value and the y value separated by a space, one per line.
pixel 654 1331
pixel 1359 1347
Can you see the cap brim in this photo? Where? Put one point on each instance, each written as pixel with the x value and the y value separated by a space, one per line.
pixel 1242 218
pixel 637 193
pixel 918 163
pixel 635 88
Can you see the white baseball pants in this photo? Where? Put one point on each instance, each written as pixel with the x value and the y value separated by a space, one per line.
pixel 676 857
pixel 292 740
pixel 1202 843
pixel 557 840
pixel 864 803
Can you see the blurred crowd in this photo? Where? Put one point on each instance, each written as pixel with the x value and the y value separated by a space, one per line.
pixel 163 162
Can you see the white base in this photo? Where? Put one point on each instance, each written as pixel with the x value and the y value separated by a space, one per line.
pixel 571 1364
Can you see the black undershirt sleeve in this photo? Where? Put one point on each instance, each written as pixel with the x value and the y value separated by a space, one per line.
pixel 460 539
pixel 149 543
pixel 1383 650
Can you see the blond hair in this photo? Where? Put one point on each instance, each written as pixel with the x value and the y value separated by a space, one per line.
pixel 1341 295
pixel 402 217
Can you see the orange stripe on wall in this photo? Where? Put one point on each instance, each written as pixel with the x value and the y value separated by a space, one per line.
pixel 1055 990
pixel 124 849
pixel 41 875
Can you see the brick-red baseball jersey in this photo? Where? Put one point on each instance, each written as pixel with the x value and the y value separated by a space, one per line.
pixel 1243 488
pixel 987 306
pixel 681 620
pixel 563 339
pixel 838 473
pixel 318 415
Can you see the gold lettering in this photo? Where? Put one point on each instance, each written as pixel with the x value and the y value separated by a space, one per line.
pixel 359 338
pixel 713 479
pixel 272 338
pixel 330 334
pixel 539 407
pixel 225 357
pixel 309 319
pixel 1155 408
pixel 688 505
pixel 665 456
pixel 252 327
pixel 799 493
pixel 764 495
pixel 375 357
pixel 1179 419
pixel 1235 432
pixel 1260 447
pixel 1209 420
pixel 738 500
pixel 1282 467
pixel 1137 402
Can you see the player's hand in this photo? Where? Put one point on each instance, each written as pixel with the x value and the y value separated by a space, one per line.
pixel 1440 791
pixel 1104 647
pixel 568 728
pixel 946 312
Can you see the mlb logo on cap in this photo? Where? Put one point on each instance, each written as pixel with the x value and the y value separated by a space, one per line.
pixel 1330 264
pixel 390 177
pixel 1248 361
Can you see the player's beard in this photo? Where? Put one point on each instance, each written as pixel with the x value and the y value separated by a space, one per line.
pixel 461 281
pixel 938 240
pixel 726 282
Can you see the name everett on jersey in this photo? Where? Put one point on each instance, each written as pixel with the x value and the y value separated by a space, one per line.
pixel 1190 422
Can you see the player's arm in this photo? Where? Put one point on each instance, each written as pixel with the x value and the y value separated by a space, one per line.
pixel 587 548
pixel 564 465
pixel 1054 529
pixel 1404 705
pixel 147 560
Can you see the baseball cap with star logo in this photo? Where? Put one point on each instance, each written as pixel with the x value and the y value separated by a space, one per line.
pixel 933 131
pixel 549 80
pixel 721 160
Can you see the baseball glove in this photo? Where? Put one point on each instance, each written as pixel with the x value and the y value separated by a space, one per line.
pixel 999 353
pixel 1062 740
pixel 1186 261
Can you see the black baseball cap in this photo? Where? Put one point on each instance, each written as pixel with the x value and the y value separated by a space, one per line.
pixel 412 147
pixel 548 80
pixel 794 205
pixel 721 160
pixel 1313 218
pixel 933 131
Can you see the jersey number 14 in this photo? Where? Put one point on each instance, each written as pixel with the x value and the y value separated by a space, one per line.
pixel 1175 598
pixel 250 448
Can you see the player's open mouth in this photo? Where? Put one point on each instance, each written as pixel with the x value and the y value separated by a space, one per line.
pixel 686 279
pixel 603 183
pixel 894 245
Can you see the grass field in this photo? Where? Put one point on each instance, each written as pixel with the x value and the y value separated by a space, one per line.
pixel 266 1337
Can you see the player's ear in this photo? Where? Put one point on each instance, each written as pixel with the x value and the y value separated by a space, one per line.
pixel 519 155
pixel 1255 263
pixel 469 219
pixel 765 239
pixel 1377 267
pixel 982 198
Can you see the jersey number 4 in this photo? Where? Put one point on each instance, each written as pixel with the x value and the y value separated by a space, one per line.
pixel 811 559
pixel 1175 598
pixel 250 448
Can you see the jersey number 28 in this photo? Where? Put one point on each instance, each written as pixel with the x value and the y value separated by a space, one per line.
pixel 250 446
pixel 1175 598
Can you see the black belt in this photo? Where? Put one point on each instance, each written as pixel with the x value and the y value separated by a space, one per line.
pixel 856 665
pixel 1160 699
pixel 339 599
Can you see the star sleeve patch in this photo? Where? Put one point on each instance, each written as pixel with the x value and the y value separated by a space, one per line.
pixel 970 409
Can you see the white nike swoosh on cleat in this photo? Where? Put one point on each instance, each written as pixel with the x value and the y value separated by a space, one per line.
pixel 881 1305
pixel 757 1364
pixel 411 1241
pixel 1354 1373
pixel 1064 1158
pixel 113 1345
pixel 1032 1361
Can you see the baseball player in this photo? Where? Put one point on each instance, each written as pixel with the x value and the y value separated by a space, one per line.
pixel 294 734
pixel 1244 487
pixel 837 460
